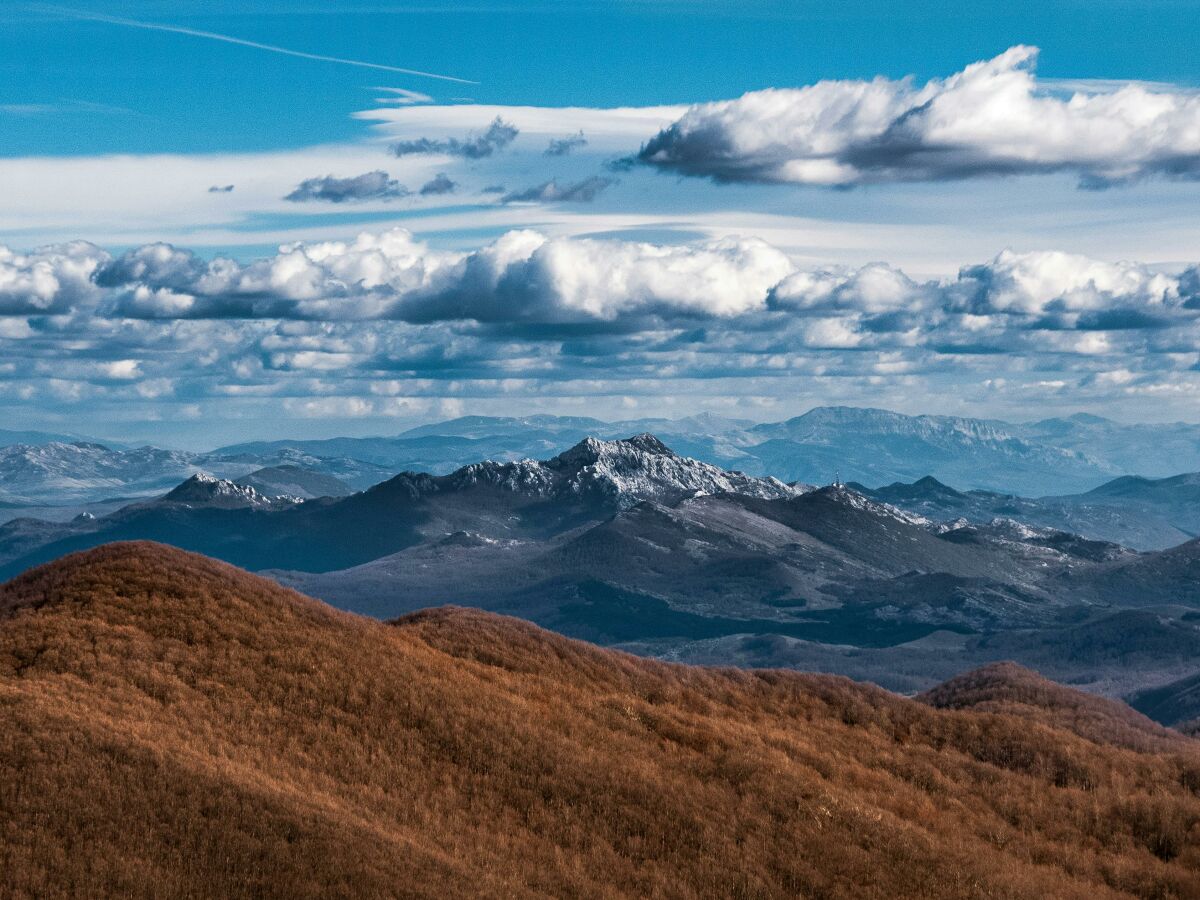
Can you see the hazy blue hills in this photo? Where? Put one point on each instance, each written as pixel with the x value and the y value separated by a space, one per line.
pixel 1143 513
pixel 871 446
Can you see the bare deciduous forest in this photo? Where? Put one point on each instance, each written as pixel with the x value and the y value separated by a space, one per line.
pixel 173 727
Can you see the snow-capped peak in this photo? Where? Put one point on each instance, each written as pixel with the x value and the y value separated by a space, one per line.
pixel 623 472
pixel 207 490
pixel 644 468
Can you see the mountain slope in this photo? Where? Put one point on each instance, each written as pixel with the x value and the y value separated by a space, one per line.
pixel 1008 688
pixel 1172 703
pixel 169 722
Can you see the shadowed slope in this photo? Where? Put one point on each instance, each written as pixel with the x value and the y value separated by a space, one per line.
pixel 171 726
pixel 1176 702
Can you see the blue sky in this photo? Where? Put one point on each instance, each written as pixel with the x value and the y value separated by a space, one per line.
pixel 122 89
pixel 929 230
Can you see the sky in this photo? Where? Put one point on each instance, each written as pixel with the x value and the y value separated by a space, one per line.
pixel 222 221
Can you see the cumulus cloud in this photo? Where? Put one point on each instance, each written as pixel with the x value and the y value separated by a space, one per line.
pixel 375 185
pixel 440 184
pixel 385 317
pixel 325 280
pixel 551 191
pixel 50 279
pixel 1065 287
pixel 992 118
pixel 498 135
pixel 530 319
pixel 563 146
pixel 525 277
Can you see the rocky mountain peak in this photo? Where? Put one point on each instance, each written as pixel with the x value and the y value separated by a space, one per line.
pixel 203 489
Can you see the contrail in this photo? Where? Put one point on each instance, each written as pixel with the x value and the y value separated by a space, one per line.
pixel 228 39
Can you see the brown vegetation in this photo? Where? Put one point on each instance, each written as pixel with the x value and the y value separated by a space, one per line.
pixel 173 727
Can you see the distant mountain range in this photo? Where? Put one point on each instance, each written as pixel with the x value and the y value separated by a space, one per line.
pixel 627 543
pixel 868 446
pixel 871 446
pixel 1143 513
pixel 174 727
pixel 61 474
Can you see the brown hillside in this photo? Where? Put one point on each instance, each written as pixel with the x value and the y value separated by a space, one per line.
pixel 173 727
pixel 1006 687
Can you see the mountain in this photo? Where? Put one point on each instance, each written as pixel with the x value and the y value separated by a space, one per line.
pixel 1155 451
pixel 827 566
pixel 872 446
pixel 522 499
pixel 203 491
pixel 63 473
pixel 170 722
pixel 295 481
pixel 869 446
pixel 38 438
pixel 875 446
pixel 80 473
pixel 1146 514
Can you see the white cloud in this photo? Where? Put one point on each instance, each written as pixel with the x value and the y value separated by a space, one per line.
pixel 523 276
pixel 385 324
pixel 49 279
pixel 121 370
pixel 989 119
pixel 526 277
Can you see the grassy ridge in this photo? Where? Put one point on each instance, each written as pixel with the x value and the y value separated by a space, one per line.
pixel 172 726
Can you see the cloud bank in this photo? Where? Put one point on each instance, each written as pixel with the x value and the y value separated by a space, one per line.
pixel 525 276
pixel 386 324
pixel 992 118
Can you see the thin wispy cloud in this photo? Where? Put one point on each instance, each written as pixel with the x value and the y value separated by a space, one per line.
pixel 256 45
